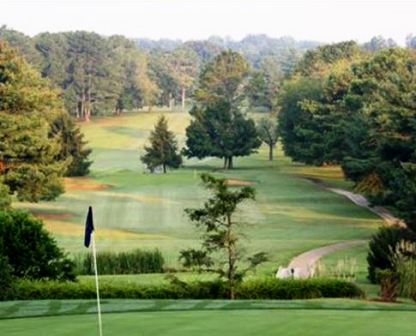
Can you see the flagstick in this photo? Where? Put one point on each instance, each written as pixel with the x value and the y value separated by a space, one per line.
pixel 100 328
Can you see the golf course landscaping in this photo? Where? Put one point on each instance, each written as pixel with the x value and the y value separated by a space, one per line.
pixel 135 209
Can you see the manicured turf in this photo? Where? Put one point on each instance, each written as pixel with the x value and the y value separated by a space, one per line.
pixel 315 317
pixel 134 209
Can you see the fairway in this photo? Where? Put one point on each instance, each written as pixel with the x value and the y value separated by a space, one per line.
pixel 237 322
pixel 134 209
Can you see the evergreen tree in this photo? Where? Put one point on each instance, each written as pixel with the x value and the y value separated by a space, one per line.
pixel 221 231
pixel 28 164
pixel 72 146
pixel 163 149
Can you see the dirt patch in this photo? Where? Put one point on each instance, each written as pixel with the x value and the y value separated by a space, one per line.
pixel 52 215
pixel 82 183
pixel 238 183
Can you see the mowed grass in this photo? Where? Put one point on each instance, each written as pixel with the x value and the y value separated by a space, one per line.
pixel 133 209
pixel 200 317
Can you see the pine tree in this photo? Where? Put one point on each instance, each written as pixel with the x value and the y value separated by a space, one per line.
pixel 28 164
pixel 72 146
pixel 222 232
pixel 163 149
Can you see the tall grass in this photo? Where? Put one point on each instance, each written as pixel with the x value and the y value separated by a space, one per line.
pixel 133 262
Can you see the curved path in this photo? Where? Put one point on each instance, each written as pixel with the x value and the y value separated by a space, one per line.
pixel 305 262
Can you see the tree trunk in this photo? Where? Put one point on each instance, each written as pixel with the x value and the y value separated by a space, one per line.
pixel 270 152
pixel 183 96
pixel 225 162
pixel 230 163
pixel 164 168
pixel 170 102
pixel 231 258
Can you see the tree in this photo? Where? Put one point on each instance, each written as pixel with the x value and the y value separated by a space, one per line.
pixel 264 84
pixel 28 164
pixel 30 250
pixel 379 42
pixel 301 134
pixel 72 146
pixel 220 230
pixel 219 128
pixel 163 148
pixel 185 65
pixel 267 130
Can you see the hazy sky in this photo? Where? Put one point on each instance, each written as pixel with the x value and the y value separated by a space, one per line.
pixel 325 21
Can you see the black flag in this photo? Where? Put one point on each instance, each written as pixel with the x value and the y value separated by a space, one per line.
pixel 89 228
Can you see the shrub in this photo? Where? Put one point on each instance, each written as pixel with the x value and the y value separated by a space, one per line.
pixel 30 250
pixel 404 259
pixel 406 271
pixel 5 199
pixel 280 289
pixel 6 279
pixel 133 262
pixel 382 246
pixel 253 289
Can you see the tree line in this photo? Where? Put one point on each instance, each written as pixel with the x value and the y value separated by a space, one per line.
pixel 100 75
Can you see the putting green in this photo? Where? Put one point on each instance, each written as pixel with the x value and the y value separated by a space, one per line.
pixel 237 322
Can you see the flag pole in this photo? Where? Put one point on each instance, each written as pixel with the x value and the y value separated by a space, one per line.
pixel 94 253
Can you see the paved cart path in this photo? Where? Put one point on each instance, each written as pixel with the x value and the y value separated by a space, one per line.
pixel 305 262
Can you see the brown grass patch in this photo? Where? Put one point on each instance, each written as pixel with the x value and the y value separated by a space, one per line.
pixel 84 183
pixel 140 198
pixel 52 215
pixel 238 183
pixel 70 229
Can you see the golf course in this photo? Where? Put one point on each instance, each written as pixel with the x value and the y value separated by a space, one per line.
pixel 135 209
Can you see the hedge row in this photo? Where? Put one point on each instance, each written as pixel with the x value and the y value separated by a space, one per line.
pixel 254 289
pixel 133 262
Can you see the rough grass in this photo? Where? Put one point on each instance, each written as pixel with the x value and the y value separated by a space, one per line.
pixel 137 210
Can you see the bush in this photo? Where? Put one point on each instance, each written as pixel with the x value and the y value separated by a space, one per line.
pixel 254 289
pixel 6 279
pixel 389 284
pixel 382 245
pixel 406 271
pixel 134 262
pixel 30 250
pixel 280 289
pixel 5 199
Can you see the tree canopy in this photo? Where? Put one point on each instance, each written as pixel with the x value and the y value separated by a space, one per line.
pixel 360 114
